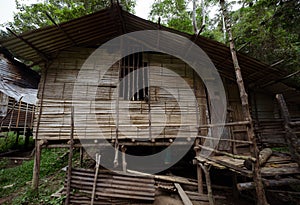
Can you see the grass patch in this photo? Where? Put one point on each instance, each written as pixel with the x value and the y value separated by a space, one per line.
pixel 9 142
pixel 281 149
pixel 20 178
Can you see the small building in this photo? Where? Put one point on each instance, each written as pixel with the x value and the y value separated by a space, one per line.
pixel 18 93
pixel 147 120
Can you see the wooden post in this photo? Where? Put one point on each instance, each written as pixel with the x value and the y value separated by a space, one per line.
pixel 69 171
pixel 98 158
pixel 203 120
pixel 290 136
pixel 18 116
pixel 199 170
pixel 261 197
pixel 124 163
pixel 208 183
pixel 149 106
pixel 25 123
pixel 38 143
pixel 81 156
pixel 36 166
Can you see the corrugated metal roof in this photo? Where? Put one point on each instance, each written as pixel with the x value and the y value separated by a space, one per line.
pixel 97 28
pixel 17 73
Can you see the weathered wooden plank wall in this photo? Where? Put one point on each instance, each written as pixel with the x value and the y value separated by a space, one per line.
pixel 167 110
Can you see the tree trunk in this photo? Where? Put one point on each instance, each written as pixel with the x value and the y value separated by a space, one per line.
pixel 194 17
pixel 261 197
pixel 203 12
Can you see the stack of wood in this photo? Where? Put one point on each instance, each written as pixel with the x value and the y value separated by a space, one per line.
pixel 111 188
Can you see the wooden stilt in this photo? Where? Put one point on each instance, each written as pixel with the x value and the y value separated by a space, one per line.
pixel 17 137
pixel 199 179
pixel 38 143
pixel 25 123
pixel 69 171
pixel 98 157
pixel 208 183
pixel 124 163
pixel 199 170
pixel 234 187
pixel 18 116
pixel 36 166
pixel 260 192
pixel 81 156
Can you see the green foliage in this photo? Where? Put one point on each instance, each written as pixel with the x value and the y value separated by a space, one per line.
pixel 9 142
pixel 271 29
pixel 177 14
pixel 173 13
pixel 20 175
pixel 281 149
pixel 34 16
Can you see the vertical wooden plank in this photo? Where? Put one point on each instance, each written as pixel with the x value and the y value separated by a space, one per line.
pixel 11 118
pixel 198 140
pixel 18 116
pixel 208 183
pixel 98 157
pixel 69 171
pixel 199 170
pixel 25 122
pixel 81 156
pixel 124 163
pixel 133 78
pixel 149 107
pixel 37 159
pixel 32 116
pixel 128 79
pixel 138 76
pixel 36 165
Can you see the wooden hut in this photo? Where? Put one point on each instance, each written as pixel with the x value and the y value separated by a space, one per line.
pixel 18 92
pixel 62 50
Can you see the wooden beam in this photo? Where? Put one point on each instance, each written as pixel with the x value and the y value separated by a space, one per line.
pixel 234 156
pixel 208 183
pixel 36 165
pixel 39 52
pixel 184 197
pixel 279 80
pixel 268 183
pixel 61 29
pixel 225 124
pixel 119 10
